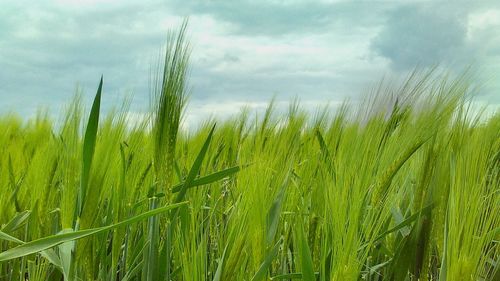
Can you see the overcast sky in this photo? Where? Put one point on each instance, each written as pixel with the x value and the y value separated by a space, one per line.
pixel 244 52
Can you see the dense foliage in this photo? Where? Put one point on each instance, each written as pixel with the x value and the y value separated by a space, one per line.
pixel 403 187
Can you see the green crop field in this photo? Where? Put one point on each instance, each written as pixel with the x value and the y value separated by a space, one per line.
pixel 404 186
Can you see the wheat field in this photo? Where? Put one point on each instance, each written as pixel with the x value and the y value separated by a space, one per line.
pixel 404 186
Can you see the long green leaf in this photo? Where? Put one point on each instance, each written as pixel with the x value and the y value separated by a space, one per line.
pixel 54 240
pixel 403 224
pixel 16 222
pixel 261 274
pixel 195 169
pixel 398 219
pixel 407 221
pixel 193 172
pixel 49 254
pixel 274 213
pixel 209 178
pixel 306 258
pixel 326 155
pixel 443 271
pixel 7 237
pixel 220 266
pixel 89 147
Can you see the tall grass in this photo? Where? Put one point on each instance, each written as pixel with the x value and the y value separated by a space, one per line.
pixel 404 187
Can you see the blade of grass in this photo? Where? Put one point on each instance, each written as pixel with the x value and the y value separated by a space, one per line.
pixel 50 255
pixel 89 147
pixel 273 216
pixel 444 261
pixel 220 266
pixel 193 172
pixel 326 155
pixel 261 274
pixel 306 258
pixel 401 225
pixel 209 178
pixel 7 237
pixel 54 240
pixel 398 219
pixel 18 221
pixel 195 169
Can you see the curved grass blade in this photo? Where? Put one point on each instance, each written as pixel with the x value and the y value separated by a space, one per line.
pixel 218 272
pixel 403 224
pixel 49 254
pixel 7 237
pixel 399 218
pixel 386 177
pixel 54 240
pixel 261 274
pixel 209 178
pixel 18 221
pixel 195 169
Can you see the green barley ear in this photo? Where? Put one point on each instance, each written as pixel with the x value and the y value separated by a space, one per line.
pixel 385 179
pixel 169 97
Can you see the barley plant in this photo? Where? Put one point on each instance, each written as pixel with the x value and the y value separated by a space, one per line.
pixel 404 186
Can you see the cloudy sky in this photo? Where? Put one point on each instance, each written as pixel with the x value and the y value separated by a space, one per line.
pixel 244 52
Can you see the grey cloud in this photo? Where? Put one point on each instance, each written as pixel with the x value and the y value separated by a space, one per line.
pixel 276 18
pixel 47 50
pixel 72 46
pixel 231 57
pixel 422 35
pixel 284 85
pixel 426 34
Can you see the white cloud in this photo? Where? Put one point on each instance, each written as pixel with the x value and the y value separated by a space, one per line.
pixel 484 19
